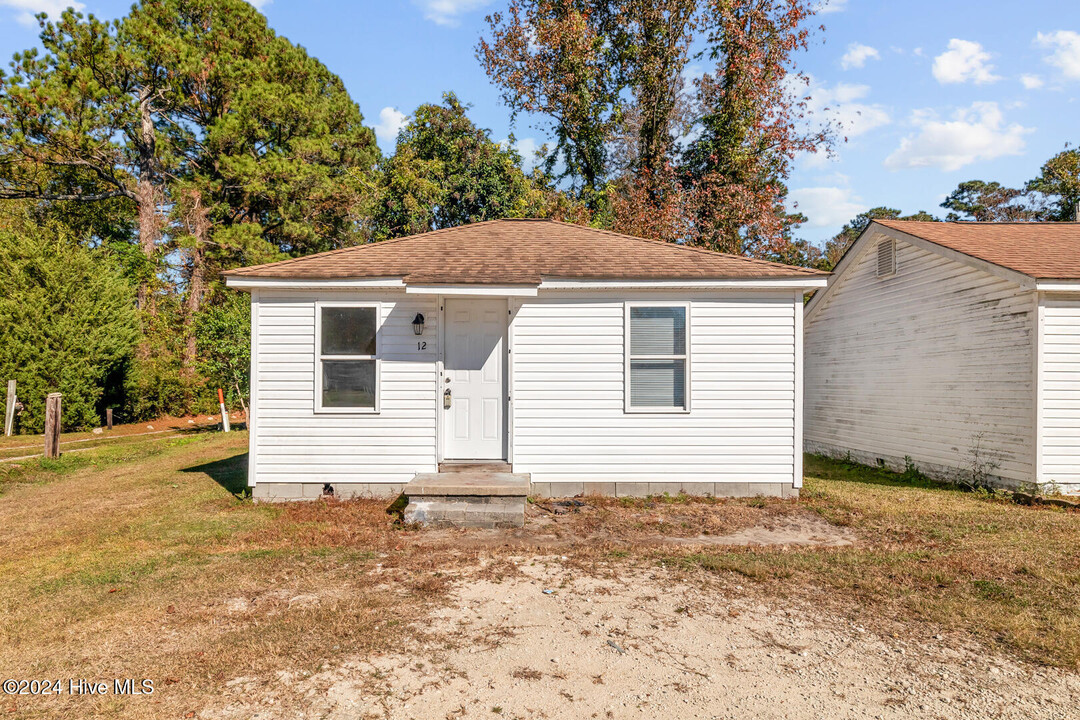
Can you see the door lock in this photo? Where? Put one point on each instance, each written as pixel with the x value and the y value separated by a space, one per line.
pixel 446 399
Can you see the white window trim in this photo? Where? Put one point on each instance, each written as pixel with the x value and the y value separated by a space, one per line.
pixel 319 305
pixel 627 407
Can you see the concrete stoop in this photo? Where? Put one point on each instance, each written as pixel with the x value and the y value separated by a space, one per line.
pixel 476 498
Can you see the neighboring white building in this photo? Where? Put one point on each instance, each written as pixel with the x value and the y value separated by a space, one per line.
pixel 595 362
pixel 954 344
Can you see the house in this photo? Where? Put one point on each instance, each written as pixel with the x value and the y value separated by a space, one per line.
pixel 956 345
pixel 591 361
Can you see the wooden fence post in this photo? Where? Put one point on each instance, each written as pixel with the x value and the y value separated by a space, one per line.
pixel 52 425
pixel 108 418
pixel 9 414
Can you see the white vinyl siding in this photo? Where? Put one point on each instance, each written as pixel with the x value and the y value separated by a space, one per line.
pixel 293 443
pixel 924 363
pixel 1060 380
pixel 569 420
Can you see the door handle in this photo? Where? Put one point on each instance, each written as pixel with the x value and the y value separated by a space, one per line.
pixel 446 399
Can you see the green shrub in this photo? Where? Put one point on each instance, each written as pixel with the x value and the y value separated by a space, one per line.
pixel 68 318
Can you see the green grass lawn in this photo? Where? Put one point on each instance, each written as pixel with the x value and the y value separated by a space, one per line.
pixel 131 561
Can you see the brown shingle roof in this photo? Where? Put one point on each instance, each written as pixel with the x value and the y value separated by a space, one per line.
pixel 1047 251
pixel 522 252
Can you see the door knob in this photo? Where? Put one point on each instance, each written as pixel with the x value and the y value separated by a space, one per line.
pixel 446 399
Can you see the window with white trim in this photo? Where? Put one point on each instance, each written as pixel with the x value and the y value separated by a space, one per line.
pixel 347 358
pixel 657 358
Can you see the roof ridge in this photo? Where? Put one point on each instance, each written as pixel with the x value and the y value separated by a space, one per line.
pixel 700 250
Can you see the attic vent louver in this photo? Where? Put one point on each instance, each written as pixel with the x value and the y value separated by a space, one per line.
pixel 886 258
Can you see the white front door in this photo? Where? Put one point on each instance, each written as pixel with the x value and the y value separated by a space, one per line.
pixel 474 373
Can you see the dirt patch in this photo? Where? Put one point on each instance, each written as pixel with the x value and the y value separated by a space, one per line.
pixel 550 642
pixel 607 522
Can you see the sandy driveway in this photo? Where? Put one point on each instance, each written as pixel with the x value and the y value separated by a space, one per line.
pixel 645 645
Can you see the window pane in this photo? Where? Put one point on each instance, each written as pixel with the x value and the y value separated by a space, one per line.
pixel 657 330
pixel 658 383
pixel 348 330
pixel 348 383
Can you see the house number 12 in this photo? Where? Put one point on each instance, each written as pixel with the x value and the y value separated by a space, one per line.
pixel 421 345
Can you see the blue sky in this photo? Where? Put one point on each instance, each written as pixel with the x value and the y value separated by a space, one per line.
pixel 930 93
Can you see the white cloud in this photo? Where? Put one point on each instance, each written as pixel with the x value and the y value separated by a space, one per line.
pixel 1031 82
pixel 831 6
pixel 839 105
pixel 857 55
pixel 391 120
pixel 964 61
pixel 693 72
pixel 975 133
pixel 260 4
pixel 27 9
pixel 1066 51
pixel 527 148
pixel 827 206
pixel 448 12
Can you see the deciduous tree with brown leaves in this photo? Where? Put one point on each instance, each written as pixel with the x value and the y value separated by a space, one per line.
pixel 553 58
pixel 610 78
pixel 753 122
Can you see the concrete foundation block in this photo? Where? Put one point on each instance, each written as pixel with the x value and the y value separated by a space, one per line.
pixel 349 491
pixel 660 488
pixel 565 489
pixel 698 489
pixel 277 492
pixel 631 489
pixel 283 491
pixel 732 489
pixel 598 488
pixel 541 489
pixel 765 490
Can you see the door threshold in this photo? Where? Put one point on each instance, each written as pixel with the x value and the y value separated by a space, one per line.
pixel 453 466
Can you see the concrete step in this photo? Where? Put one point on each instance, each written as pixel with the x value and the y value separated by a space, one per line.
pixel 468 483
pixel 470 511
pixel 479 497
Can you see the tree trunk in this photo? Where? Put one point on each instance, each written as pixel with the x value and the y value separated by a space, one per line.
pixel 148 221
pixel 193 301
pixel 198 225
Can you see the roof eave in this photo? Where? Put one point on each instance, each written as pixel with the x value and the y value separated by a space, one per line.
pixel 807 282
pixel 248 282
pixel 1058 285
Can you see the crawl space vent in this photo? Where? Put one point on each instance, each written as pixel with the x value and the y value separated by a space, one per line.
pixel 886 258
